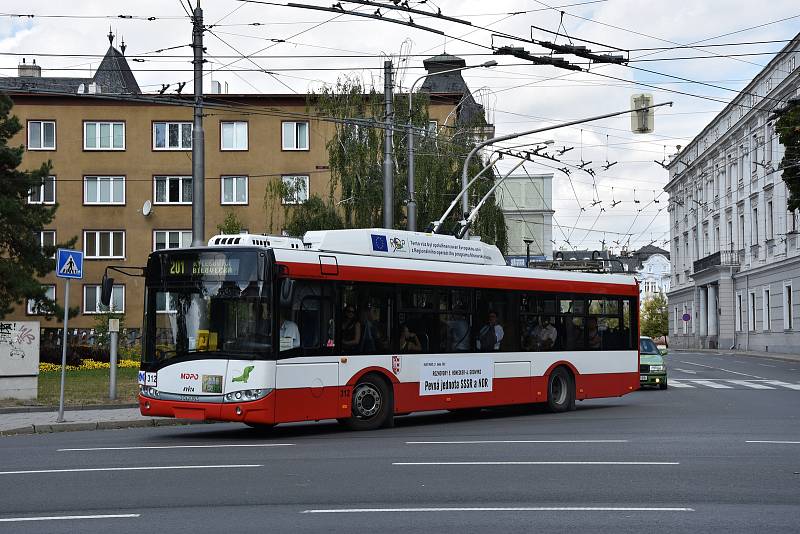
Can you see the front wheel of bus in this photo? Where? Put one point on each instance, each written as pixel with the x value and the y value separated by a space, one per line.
pixel 371 404
pixel 560 391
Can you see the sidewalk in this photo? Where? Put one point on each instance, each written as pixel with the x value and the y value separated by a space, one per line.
pixel 33 421
pixel 751 353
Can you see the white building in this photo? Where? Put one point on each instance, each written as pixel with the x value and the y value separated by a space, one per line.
pixel 654 276
pixel 735 247
pixel 527 204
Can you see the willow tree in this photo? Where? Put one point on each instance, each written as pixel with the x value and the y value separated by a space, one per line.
pixel 355 158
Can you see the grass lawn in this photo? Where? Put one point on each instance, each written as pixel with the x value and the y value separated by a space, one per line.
pixel 82 388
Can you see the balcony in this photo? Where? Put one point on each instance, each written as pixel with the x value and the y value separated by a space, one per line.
pixel 723 258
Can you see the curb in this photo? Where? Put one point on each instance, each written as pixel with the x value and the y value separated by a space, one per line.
pixel 77 408
pixel 100 425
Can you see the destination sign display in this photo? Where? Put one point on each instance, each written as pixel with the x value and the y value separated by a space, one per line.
pixel 203 266
pixel 186 265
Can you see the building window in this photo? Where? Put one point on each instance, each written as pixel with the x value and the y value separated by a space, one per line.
pixel 45 193
pixel 295 189
pixel 172 136
pixel 676 321
pixel 433 127
pixel 234 189
pixel 33 308
pixel 751 316
pixel 788 319
pixel 766 315
pixel 41 135
pixel 104 136
pixel 295 136
pixel 104 244
pixel 741 231
pixel 171 239
pixel 234 135
pixel 770 231
pixel 173 189
pixel 104 190
pixel 92 304
pixel 739 312
pixel 755 153
pixel 769 132
pixel 47 238
pixel 755 226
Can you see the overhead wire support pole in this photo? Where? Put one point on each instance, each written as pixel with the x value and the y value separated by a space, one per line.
pixel 464 180
pixel 198 136
pixel 388 162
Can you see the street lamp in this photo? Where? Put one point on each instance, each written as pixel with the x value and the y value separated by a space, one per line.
pixel 411 218
pixel 528 242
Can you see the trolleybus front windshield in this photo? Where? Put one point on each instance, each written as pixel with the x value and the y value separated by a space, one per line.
pixel 207 304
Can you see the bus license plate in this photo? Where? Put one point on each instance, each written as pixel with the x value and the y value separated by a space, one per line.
pixel 643 378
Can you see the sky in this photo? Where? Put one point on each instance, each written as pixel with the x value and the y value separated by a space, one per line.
pixel 697 54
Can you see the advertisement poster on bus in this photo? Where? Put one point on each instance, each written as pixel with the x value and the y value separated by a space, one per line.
pixel 439 376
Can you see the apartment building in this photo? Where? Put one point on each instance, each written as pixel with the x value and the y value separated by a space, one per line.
pixel 114 148
pixel 735 280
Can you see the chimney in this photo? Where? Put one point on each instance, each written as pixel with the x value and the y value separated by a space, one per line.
pixel 33 70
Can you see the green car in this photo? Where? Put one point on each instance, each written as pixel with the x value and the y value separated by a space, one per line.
pixel 652 369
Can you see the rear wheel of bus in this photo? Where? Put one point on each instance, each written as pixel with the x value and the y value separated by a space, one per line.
pixel 560 390
pixel 372 404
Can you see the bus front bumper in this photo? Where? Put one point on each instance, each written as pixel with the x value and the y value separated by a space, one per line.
pixel 260 411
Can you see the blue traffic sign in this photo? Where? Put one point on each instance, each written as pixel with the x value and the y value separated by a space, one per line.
pixel 69 263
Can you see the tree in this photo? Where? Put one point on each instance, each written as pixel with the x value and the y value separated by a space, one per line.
pixel 788 129
pixel 22 258
pixel 655 318
pixel 230 225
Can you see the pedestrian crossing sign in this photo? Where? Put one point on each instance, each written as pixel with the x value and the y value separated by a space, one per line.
pixel 69 263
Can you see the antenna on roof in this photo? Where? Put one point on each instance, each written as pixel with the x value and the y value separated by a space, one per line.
pixel 110 37
pixel 122 46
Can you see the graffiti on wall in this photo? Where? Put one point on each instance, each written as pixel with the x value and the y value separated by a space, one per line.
pixel 19 348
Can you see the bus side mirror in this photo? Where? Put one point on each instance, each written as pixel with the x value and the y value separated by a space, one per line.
pixel 287 288
pixel 105 290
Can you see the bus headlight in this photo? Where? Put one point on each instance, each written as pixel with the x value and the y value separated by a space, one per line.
pixel 246 395
pixel 148 391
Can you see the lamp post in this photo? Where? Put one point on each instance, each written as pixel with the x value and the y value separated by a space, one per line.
pixel 411 219
pixel 528 242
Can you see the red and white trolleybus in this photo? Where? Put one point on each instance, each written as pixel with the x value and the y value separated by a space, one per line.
pixel 363 325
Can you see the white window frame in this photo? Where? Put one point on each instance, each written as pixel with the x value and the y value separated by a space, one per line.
pixel 95 254
pixel 788 304
pixel 296 198
pixel 751 309
pixel 167 179
pixel 97 289
pixel 41 188
pixel 236 134
pixel 292 143
pixel 766 313
pixel 676 325
pixel 739 312
pixel 166 148
pixel 41 135
pixel 235 181
pixel 30 306
pixel 97 136
pixel 41 239
pixel 119 181
pixel 182 235
pixel 769 230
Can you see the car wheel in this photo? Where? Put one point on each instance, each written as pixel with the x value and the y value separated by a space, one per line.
pixel 372 404
pixel 663 385
pixel 560 391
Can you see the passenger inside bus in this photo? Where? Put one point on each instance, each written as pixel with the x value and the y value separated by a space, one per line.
pixel 491 334
pixel 289 333
pixel 351 330
pixel 409 341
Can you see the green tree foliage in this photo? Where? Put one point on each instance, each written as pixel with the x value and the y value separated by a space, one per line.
pixel 102 336
pixel 22 259
pixel 655 318
pixel 355 154
pixel 230 225
pixel 788 129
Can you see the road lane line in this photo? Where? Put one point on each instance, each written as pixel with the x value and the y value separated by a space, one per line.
pixel 64 517
pixel 711 384
pixel 795 387
pixel 678 384
pixel 480 442
pixel 775 442
pixel 721 369
pixel 149 468
pixel 536 463
pixel 178 447
pixel 766 365
pixel 501 509
pixel 754 385
pixel 684 370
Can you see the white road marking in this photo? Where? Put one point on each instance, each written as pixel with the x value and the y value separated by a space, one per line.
pixel 685 371
pixel 750 384
pixel 766 365
pixel 480 442
pixel 178 447
pixel 500 509
pixel 775 442
pixel 783 384
pixel 678 384
pixel 64 517
pixel 721 369
pixel 711 384
pixel 149 468
pixel 536 463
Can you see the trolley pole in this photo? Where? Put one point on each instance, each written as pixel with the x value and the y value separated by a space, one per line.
pixel 198 136
pixel 388 163
pixel 113 331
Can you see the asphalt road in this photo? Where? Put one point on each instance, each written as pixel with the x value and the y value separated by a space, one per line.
pixel 719 451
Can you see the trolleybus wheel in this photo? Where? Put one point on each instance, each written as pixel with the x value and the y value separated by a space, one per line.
pixel 560 391
pixel 372 404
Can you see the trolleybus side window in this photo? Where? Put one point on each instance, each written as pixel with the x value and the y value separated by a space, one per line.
pixel 496 327
pixel 308 320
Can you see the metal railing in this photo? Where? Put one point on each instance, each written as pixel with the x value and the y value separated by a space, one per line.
pixel 726 258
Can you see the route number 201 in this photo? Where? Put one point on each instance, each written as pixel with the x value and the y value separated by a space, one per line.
pixel 177 267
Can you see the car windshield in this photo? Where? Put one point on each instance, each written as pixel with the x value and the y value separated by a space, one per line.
pixel 646 346
pixel 209 316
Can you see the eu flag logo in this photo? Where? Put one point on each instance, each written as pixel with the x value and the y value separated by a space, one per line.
pixel 379 243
